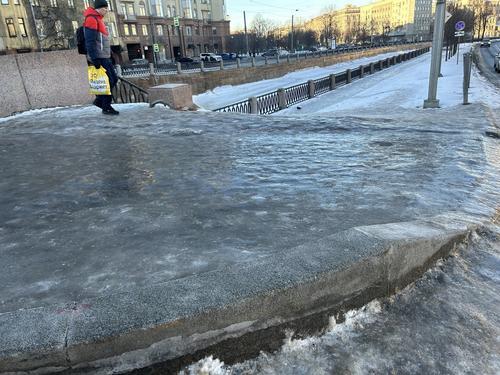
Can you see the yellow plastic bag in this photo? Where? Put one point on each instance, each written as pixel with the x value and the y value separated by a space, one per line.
pixel 99 81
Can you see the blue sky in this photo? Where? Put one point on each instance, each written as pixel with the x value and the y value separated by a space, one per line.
pixel 280 11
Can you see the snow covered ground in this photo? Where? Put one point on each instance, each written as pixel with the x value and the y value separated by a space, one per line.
pixel 225 95
pixel 404 85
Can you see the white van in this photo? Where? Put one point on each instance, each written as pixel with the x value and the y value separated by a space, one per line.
pixel 210 57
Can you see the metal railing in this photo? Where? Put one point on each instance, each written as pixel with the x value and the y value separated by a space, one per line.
pixel 127 92
pixel 285 97
pixel 167 68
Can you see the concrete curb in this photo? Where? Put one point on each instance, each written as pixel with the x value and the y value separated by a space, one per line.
pixel 251 303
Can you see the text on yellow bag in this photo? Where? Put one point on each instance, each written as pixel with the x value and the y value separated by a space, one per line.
pixel 98 81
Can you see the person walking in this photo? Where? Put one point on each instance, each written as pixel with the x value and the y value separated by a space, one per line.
pixel 98 48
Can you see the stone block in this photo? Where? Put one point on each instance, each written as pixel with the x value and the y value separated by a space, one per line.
pixel 57 78
pixel 13 97
pixel 175 95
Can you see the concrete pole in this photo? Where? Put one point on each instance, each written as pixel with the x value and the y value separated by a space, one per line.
pixel 246 35
pixel 291 48
pixel 466 82
pixel 437 50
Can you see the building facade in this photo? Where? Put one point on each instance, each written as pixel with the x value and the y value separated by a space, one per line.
pixel 151 29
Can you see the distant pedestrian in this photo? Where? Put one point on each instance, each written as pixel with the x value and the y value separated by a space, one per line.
pixel 98 48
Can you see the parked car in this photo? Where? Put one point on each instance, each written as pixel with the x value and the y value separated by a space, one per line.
pixel 139 62
pixel 185 60
pixel 210 57
pixel 486 43
pixel 229 56
pixel 275 52
pixel 496 63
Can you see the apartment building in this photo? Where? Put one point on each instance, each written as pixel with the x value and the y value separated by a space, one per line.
pixel 151 29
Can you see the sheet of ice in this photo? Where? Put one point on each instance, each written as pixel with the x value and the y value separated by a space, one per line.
pixel 224 95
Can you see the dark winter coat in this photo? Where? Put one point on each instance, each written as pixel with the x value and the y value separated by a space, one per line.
pixel 97 39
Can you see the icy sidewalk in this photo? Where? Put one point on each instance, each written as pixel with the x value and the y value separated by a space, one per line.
pixel 226 95
pixel 402 86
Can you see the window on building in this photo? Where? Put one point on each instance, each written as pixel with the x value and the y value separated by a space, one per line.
pixel 11 27
pixel 53 3
pixel 214 30
pixel 112 29
pixel 197 30
pixel 75 25
pixel 169 11
pixel 195 13
pixel 71 3
pixel 130 9
pixel 86 4
pixel 40 29
pixel 17 2
pixel 5 2
pixel 189 30
pixel 159 8
pixel 22 27
pixel 126 30
pixel 142 9
pixel 144 29
pixel 58 25
pixel 133 29
pixel 159 30
pixel 35 3
pixel 174 12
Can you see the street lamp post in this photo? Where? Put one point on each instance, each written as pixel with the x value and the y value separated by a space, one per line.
pixel 437 50
pixel 292 48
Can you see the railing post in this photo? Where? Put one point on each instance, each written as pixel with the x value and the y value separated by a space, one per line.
pixel 348 76
pixel 288 59
pixel 253 61
pixel 119 71
pixel 151 69
pixel 277 59
pixel 372 68
pixel 265 60
pixel 281 99
pixel 221 64
pixel 238 63
pixel 296 56
pixel 253 105
pixel 202 66
pixel 179 68
pixel 311 88
pixel 394 60
pixel 361 71
pixel 333 84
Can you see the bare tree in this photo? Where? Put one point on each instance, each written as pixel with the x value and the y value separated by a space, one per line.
pixel 482 10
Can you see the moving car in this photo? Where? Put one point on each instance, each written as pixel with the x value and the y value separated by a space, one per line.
pixel 275 52
pixel 486 43
pixel 210 57
pixel 185 60
pixel 496 63
pixel 140 62
pixel 228 56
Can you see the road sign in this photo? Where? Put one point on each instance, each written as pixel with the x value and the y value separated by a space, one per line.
pixel 460 25
pixel 176 21
pixel 156 47
pixel 459 33
pixel 447 16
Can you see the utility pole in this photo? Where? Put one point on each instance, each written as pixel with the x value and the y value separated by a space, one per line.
pixel 152 26
pixel 246 34
pixel 437 50
pixel 291 48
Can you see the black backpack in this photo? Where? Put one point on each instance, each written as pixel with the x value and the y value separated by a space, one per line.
pixel 80 39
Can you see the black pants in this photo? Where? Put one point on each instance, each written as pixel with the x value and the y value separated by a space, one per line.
pixel 104 101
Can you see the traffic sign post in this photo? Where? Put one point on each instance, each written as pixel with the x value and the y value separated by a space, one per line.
pixel 460 26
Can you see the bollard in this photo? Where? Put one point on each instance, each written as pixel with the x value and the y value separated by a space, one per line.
pixel 361 71
pixel 311 88
pixel 221 64
pixel 179 68
pixel 151 69
pixel 348 76
pixel 202 66
pixel 466 81
pixel 281 99
pixel 253 62
pixel 119 71
pixel 372 68
pixel 238 63
pixel 253 105
pixel 333 83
